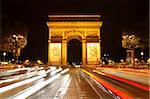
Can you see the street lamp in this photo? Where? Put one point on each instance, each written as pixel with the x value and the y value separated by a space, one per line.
pixel 4 54
pixel 17 37
pixel 121 60
pixel 142 54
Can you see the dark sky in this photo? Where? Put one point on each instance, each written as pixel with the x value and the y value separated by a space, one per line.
pixel 116 14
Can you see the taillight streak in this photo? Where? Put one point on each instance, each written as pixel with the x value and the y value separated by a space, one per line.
pixel 125 80
pixel 108 86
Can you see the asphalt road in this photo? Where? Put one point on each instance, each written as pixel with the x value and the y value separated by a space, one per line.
pixel 74 83
pixel 71 85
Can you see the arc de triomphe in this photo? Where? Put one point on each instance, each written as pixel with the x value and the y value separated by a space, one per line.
pixel 63 28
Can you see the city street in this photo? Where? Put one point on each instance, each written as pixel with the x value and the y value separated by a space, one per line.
pixel 74 49
pixel 78 83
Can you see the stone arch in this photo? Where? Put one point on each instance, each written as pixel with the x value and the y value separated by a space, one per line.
pixel 79 35
pixel 74 50
pixel 63 28
pixel 74 35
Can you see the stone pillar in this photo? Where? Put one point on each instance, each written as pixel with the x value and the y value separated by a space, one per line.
pixel 49 51
pixel 100 61
pixel 84 52
pixel 64 52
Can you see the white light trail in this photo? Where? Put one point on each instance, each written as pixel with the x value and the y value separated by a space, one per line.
pixel 31 90
pixel 56 71
pixel 9 87
pixel 28 75
pixel 61 92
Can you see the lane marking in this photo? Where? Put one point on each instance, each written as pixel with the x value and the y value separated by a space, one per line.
pixel 125 80
pixel 108 86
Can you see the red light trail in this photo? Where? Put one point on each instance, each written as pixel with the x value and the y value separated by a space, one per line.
pixel 108 86
pixel 125 80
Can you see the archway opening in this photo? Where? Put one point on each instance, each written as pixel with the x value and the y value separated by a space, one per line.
pixel 74 52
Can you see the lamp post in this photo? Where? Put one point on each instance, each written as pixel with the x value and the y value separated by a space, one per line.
pixel 4 54
pixel 15 51
pixel 142 54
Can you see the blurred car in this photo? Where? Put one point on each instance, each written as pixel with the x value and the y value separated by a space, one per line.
pixel 77 66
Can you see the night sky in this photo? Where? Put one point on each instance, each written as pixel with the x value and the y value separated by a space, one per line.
pixel 116 14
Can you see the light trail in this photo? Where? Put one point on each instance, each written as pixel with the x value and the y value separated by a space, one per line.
pixel 56 71
pixel 109 87
pixel 31 90
pixel 9 87
pixel 125 80
pixel 62 90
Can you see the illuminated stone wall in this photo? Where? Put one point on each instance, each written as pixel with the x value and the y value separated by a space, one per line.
pixel 55 55
pixel 93 53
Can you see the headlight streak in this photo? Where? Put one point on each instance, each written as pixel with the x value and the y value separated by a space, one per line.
pixel 64 71
pixel 53 68
pixel 56 71
pixel 61 92
pixel 10 72
pixel 31 90
pixel 23 76
pixel 9 87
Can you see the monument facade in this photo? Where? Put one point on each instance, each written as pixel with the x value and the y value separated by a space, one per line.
pixel 63 28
